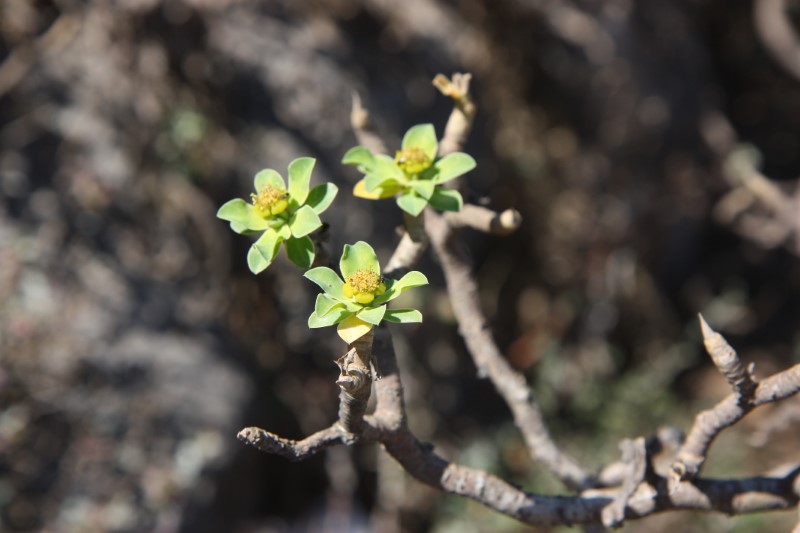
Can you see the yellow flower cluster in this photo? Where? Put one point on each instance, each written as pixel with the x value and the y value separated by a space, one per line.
pixel 270 201
pixel 363 285
pixel 412 160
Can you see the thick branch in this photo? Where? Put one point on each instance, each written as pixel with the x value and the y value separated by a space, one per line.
pixel 463 292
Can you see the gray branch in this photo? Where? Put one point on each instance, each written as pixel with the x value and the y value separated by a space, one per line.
pixel 463 292
pixel 710 423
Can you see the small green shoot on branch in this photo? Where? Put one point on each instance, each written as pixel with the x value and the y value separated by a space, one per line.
pixel 357 303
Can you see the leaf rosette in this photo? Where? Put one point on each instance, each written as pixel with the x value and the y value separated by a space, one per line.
pixel 281 214
pixel 415 176
pixel 356 301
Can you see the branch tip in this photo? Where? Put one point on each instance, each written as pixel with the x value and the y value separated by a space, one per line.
pixel 359 117
pixel 704 327
pixel 509 220
pixel 362 126
pixel 485 220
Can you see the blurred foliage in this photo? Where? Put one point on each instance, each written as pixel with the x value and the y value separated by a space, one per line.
pixel 134 343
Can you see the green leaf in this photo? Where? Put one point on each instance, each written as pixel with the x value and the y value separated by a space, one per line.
pixel 411 203
pixel 384 166
pixel 304 221
pixel 299 177
pixel 372 315
pixel 394 289
pixel 358 256
pixel 324 305
pixel 268 177
pixel 300 251
pixel 446 199
pixel 452 166
pixel 334 317
pixel 242 216
pixel 403 316
pixel 321 197
pixel 359 155
pixel 423 188
pixel 328 281
pixel 263 251
pixel 422 136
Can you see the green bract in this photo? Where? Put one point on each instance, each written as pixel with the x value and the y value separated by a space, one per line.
pixel 357 303
pixel 281 214
pixel 415 175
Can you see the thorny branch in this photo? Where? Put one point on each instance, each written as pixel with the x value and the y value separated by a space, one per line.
pixel 629 489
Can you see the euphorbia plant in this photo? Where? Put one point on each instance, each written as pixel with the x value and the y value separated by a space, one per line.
pixel 357 303
pixel 281 214
pixel 415 175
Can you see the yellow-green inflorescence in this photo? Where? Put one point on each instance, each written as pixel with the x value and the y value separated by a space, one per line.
pixel 270 201
pixel 363 285
pixel 412 160
pixel 415 176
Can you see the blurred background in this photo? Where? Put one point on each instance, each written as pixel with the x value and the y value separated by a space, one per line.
pixel 134 342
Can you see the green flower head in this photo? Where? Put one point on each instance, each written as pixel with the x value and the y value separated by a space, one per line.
pixel 281 214
pixel 415 176
pixel 357 303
